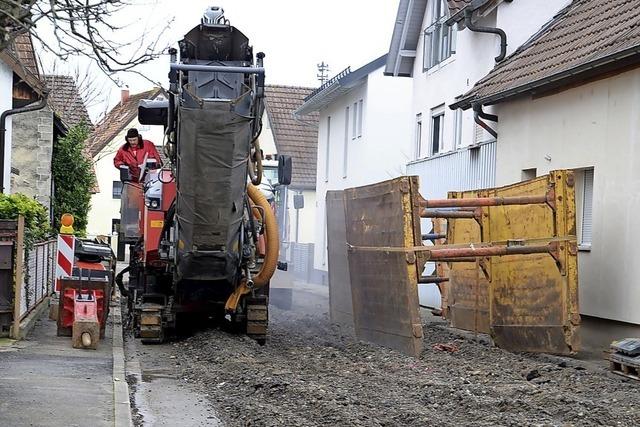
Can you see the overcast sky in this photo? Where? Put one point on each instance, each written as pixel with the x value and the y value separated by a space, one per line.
pixel 296 35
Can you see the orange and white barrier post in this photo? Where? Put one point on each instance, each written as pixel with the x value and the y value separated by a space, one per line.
pixel 66 250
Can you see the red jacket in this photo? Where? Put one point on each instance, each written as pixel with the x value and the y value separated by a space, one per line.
pixel 127 156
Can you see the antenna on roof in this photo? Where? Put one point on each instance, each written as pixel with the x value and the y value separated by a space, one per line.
pixel 323 73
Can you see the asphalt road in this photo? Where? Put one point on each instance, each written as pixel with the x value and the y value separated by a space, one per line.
pixel 45 382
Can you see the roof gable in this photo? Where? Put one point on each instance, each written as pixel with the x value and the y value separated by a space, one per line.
pixel 65 100
pixel 23 48
pixel 338 86
pixel 116 120
pixel 294 137
pixel 586 38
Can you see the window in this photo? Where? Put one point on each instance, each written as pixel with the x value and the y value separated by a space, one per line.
pixel 326 166
pixel 117 189
pixel 439 38
pixel 529 174
pixel 437 130
pixel 345 161
pixel 360 114
pixel 354 128
pixel 418 142
pixel 457 126
pixel 587 209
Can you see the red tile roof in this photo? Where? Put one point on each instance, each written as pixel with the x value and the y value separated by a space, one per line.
pixel 66 101
pixel 586 35
pixel 116 120
pixel 294 137
pixel 23 48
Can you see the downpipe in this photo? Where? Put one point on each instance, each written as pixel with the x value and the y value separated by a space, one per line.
pixel 42 102
pixel 479 115
pixel 468 21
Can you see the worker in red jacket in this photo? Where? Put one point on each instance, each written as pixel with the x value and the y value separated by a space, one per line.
pixel 133 152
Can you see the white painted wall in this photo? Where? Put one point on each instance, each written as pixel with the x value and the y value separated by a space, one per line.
pixel 381 152
pixel 6 99
pixel 595 125
pixel 474 58
pixel 523 18
pixel 104 207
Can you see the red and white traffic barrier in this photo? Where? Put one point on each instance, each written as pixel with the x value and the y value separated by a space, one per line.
pixel 65 258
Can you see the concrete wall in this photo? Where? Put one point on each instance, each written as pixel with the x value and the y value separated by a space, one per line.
pixel 6 98
pixel 381 152
pixel 32 152
pixel 595 125
pixel 104 207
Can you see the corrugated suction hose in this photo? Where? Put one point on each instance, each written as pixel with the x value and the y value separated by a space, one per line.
pixel 271 227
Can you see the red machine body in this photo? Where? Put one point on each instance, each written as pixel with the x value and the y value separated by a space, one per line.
pixel 84 305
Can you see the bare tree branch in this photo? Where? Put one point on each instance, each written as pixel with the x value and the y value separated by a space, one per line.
pixel 80 28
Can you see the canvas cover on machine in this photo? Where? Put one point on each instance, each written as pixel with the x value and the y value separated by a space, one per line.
pixel 214 142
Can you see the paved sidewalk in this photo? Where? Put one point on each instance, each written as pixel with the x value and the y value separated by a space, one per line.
pixel 46 382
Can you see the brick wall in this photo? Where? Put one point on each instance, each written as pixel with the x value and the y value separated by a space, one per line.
pixel 32 150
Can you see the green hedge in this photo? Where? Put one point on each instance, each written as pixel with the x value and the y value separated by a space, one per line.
pixel 73 178
pixel 36 218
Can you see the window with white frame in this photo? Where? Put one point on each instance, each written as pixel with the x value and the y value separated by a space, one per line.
pixel 439 38
pixel 587 209
pixel 345 160
pixel 457 126
pixel 418 141
pixel 328 151
pixel 437 130
pixel 360 115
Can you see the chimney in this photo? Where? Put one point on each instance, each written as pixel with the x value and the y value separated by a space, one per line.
pixel 124 95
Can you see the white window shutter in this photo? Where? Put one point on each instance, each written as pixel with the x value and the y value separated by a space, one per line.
pixel 454 38
pixel 427 55
pixel 587 208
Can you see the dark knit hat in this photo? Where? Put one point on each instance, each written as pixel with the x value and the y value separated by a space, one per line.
pixel 132 133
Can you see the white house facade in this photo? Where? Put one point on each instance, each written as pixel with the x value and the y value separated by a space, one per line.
pixel 433 44
pixel 364 135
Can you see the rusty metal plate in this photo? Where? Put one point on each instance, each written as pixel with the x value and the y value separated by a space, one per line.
pixel 468 287
pixel 340 306
pixel 381 223
pixel 526 302
pixel 534 298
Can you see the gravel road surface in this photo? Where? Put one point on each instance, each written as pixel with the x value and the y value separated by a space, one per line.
pixel 311 373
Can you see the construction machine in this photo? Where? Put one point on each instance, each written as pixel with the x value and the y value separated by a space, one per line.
pixel 203 237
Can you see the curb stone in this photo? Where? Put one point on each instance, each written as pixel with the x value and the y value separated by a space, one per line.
pixel 122 406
